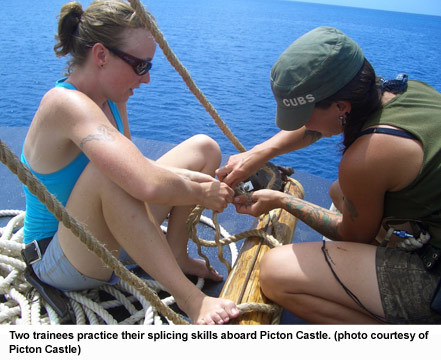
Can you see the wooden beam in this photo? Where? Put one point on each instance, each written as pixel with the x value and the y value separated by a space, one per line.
pixel 242 285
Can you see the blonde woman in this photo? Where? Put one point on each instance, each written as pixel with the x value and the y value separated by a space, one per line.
pixel 79 146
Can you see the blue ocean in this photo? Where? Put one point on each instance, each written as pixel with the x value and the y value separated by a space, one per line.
pixel 228 47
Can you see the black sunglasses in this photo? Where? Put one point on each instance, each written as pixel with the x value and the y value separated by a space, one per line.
pixel 140 66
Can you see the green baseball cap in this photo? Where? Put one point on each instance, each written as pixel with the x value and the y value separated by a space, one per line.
pixel 311 69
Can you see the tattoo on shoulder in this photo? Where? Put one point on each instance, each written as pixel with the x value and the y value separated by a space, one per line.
pixel 314 135
pixel 351 208
pixel 103 133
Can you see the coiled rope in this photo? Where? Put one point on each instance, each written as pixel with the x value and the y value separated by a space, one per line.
pixel 23 305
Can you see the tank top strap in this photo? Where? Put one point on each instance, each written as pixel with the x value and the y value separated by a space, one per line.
pixel 62 83
pixel 388 131
pixel 116 116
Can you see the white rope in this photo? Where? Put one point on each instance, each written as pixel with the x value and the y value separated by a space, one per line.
pixel 120 299
pixel 86 306
pixel 94 308
pixel 10 213
pixel 80 317
pixel 21 300
pixel 35 310
pixel 20 265
pixel 225 240
pixel 54 319
pixel 225 235
pixel 9 314
pixel 93 320
pixel 16 222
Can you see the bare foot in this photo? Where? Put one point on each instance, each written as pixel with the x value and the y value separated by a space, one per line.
pixel 206 310
pixel 216 311
pixel 198 268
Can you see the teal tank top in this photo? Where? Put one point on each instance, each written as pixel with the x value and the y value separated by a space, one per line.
pixel 39 222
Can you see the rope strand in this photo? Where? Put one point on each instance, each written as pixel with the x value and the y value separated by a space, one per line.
pixel 150 23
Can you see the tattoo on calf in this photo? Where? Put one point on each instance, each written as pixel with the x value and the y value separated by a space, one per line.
pixel 104 133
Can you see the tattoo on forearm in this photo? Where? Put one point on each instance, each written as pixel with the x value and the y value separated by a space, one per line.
pixel 104 133
pixel 314 135
pixel 322 220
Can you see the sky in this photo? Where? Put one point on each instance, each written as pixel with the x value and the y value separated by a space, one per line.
pixel 427 7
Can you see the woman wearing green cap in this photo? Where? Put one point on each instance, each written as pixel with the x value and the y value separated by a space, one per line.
pixel 389 174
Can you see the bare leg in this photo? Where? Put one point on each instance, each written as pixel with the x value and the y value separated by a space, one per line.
pixel 297 277
pixel 177 237
pixel 118 220
pixel 202 154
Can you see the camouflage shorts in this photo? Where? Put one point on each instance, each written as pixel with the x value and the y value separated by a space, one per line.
pixel 406 288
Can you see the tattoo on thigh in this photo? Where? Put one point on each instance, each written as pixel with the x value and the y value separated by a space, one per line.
pixel 104 133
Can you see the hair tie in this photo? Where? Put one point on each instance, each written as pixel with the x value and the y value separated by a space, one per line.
pixel 76 19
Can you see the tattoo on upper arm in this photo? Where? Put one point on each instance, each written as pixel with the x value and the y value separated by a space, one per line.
pixel 104 133
pixel 314 135
pixel 353 213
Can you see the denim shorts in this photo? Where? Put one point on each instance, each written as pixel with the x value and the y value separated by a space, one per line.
pixel 56 270
pixel 406 287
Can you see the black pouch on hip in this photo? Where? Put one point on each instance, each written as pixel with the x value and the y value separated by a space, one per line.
pixel 431 257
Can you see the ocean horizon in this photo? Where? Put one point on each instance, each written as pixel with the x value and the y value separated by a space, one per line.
pixel 228 47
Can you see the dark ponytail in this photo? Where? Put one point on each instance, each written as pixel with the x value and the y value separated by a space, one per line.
pixel 69 19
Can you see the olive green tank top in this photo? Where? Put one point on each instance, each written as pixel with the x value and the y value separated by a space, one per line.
pixel 417 111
